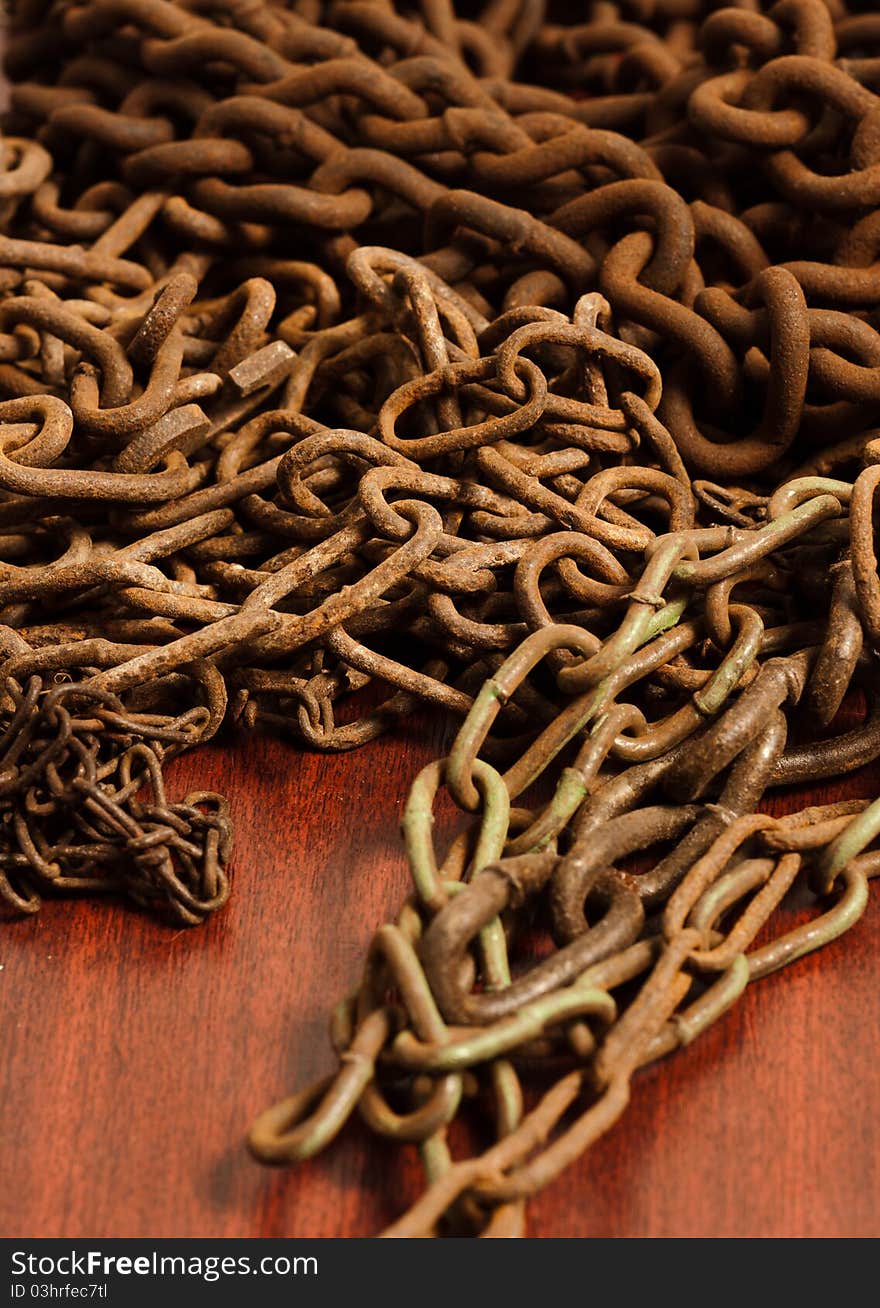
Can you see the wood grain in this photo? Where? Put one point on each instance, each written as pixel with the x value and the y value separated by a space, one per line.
pixel 133 1055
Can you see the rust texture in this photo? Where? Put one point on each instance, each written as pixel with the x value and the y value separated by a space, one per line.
pixel 520 364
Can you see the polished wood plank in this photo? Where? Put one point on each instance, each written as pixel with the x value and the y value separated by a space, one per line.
pixel 133 1055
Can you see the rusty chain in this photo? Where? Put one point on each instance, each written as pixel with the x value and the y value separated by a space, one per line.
pixel 358 356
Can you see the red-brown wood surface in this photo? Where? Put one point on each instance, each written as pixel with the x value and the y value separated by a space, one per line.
pixel 133 1055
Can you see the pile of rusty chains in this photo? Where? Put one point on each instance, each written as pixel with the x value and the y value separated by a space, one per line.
pixel 511 461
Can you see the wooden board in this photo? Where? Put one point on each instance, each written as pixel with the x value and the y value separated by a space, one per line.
pixel 133 1055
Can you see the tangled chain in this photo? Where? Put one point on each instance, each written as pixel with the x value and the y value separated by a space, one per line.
pixel 541 387
pixel 73 768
